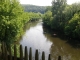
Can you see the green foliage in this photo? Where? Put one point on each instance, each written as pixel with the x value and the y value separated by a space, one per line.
pixel 73 27
pixel 65 18
pixel 34 16
pixel 57 12
pixel 70 10
pixel 47 18
pixel 48 8
pixel 72 20
pixel 11 20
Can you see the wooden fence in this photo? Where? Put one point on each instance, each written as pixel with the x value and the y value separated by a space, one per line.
pixel 7 54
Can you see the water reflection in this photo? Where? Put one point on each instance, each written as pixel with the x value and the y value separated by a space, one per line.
pixel 35 38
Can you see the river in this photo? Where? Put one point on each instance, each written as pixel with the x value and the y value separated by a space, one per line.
pixel 36 38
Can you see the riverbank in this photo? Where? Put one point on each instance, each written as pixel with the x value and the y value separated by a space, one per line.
pixel 72 41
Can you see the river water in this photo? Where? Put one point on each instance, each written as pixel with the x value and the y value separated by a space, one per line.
pixel 36 38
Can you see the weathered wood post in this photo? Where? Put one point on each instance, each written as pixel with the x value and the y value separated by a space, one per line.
pixel 36 55
pixel 43 55
pixel 26 53
pixel 0 52
pixel 3 50
pixel 59 57
pixel 30 54
pixel 21 53
pixel 49 57
pixel 6 57
pixel 10 54
pixel 15 53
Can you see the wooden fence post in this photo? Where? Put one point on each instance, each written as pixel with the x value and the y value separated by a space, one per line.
pixel 10 54
pixel 49 57
pixel 3 51
pixel 30 54
pixel 0 52
pixel 59 57
pixel 43 55
pixel 15 53
pixel 21 53
pixel 26 53
pixel 36 55
pixel 6 57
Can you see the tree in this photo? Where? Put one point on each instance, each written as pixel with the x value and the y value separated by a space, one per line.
pixel 34 16
pixel 47 18
pixel 57 13
pixel 11 20
pixel 73 27
pixel 48 8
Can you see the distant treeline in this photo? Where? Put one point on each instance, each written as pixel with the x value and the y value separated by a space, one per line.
pixel 34 8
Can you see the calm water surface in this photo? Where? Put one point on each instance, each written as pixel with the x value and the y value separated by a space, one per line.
pixel 34 37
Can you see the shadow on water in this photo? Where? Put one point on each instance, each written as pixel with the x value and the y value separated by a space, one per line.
pixel 30 24
pixel 75 43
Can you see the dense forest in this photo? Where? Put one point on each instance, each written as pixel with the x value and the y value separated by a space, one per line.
pixel 13 19
pixel 64 18
pixel 34 8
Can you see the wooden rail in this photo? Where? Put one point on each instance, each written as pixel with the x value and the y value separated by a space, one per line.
pixel 8 56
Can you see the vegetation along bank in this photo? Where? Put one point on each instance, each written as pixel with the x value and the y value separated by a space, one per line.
pixel 63 18
pixel 13 19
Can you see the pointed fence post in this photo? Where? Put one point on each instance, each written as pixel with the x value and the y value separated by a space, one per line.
pixel 15 53
pixel 10 54
pixel 43 55
pixel 49 57
pixel 0 52
pixel 59 57
pixel 21 53
pixel 6 57
pixel 30 54
pixel 36 55
pixel 3 51
pixel 26 53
